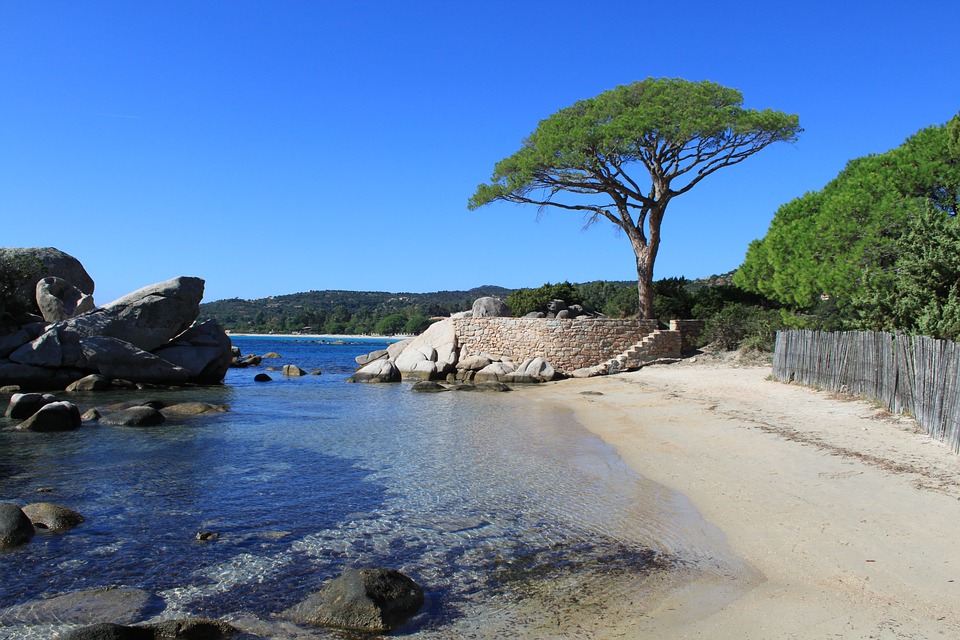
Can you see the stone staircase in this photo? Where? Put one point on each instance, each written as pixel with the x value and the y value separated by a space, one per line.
pixel 661 346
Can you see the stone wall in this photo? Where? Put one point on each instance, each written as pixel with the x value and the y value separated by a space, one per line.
pixel 568 344
pixel 690 331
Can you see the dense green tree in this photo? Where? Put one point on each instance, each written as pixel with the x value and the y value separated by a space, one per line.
pixel 844 244
pixel 672 299
pixel 921 293
pixel 623 304
pixel 679 132
pixel 594 295
pixel 391 325
pixel 928 166
pixel 416 324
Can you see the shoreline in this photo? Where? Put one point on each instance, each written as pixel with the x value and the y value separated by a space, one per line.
pixel 321 336
pixel 847 514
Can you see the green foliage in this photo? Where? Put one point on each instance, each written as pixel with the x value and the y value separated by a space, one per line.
pixel 672 299
pixel 339 312
pixel 331 328
pixel 921 292
pixel 623 304
pixel 928 166
pixel 825 315
pixel 596 293
pixel 678 131
pixel 738 324
pixel 842 243
pixel 416 325
pixel 524 301
pixel 391 325
pixel 15 271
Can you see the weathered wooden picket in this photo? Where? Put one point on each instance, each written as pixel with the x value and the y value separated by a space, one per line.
pixel 915 375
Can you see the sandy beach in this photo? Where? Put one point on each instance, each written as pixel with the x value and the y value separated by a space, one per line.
pixel 849 516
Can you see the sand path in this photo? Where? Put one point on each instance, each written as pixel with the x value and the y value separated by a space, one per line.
pixel 850 516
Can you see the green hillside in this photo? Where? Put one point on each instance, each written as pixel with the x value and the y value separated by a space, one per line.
pixel 338 312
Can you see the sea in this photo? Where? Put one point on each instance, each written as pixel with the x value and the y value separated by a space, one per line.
pixel 515 520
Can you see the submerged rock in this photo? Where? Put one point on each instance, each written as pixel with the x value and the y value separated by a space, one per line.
pixel 375 600
pixel 192 409
pixel 109 631
pixel 55 416
pixel 184 629
pixel 428 386
pixel 24 405
pixel 15 527
pixel 46 515
pixel 192 629
pixel 293 371
pixel 498 387
pixel 140 416
pixel 123 605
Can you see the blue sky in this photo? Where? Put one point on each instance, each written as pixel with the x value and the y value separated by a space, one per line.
pixel 272 147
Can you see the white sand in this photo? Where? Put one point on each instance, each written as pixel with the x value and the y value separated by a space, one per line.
pixel 850 516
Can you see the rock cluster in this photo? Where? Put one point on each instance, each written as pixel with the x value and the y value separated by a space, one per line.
pixel 435 355
pixel 19 525
pixel 241 361
pixel 560 309
pixel 480 346
pixel 44 412
pixel 149 336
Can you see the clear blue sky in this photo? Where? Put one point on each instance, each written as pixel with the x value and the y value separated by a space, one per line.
pixel 272 147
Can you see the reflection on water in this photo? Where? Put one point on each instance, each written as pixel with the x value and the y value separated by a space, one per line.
pixel 486 502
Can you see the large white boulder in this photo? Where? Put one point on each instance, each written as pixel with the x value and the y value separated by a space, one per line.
pixel 490 307
pixel 495 372
pixel 533 370
pixel 147 318
pixel 59 300
pixel 377 371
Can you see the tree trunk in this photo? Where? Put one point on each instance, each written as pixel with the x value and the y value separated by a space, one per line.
pixel 645 283
pixel 646 252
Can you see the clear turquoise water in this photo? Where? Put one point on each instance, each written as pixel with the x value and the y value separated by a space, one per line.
pixel 481 498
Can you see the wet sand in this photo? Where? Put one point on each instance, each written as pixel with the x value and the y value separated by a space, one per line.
pixel 848 516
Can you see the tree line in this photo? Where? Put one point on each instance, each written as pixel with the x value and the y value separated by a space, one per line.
pixel 730 313
pixel 335 312
pixel 878 248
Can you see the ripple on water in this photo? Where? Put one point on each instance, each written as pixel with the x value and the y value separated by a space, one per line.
pixel 500 509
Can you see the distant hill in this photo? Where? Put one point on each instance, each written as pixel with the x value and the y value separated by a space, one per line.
pixel 334 311
pixel 367 312
pixel 721 280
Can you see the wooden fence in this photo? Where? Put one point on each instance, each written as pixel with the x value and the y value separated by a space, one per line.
pixel 915 375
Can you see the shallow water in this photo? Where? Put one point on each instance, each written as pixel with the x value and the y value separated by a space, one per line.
pixel 488 502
